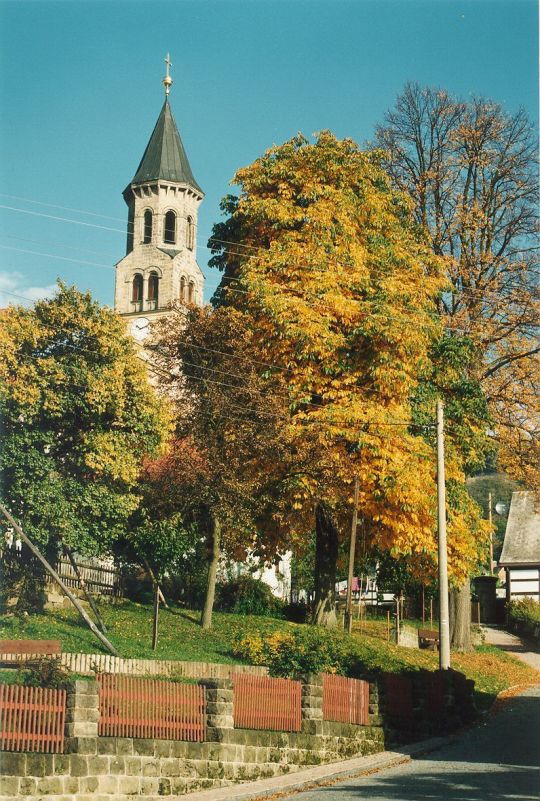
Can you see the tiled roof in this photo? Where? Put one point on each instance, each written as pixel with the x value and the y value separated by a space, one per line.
pixel 165 156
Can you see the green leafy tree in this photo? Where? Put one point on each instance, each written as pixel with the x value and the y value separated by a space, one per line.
pixel 78 418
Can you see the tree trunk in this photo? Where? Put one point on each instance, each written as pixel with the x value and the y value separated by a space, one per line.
pixel 326 553
pixel 214 550
pixel 460 618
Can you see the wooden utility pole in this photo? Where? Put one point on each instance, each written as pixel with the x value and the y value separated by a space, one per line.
pixel 91 625
pixel 156 617
pixel 490 518
pixel 84 588
pixel 444 624
pixel 352 549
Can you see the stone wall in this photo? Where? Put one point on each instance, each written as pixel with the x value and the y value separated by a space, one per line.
pixel 110 768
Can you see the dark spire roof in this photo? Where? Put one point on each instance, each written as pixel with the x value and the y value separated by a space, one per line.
pixel 165 156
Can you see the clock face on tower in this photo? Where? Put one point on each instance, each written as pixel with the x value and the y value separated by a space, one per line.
pixel 139 328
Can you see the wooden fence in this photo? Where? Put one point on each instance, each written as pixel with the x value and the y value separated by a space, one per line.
pixel 32 719
pixel 398 697
pixel 264 703
pixel 150 708
pixel 345 700
pixel 99 579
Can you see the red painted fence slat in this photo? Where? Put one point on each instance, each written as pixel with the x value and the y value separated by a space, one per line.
pixel 32 719
pixel 261 702
pixel 150 708
pixel 345 700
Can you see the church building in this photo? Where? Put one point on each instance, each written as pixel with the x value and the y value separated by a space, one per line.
pixel 160 267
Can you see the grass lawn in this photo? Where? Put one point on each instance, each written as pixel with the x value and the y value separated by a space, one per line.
pixel 129 628
pixel 180 637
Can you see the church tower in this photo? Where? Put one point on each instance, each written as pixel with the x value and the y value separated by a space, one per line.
pixel 160 266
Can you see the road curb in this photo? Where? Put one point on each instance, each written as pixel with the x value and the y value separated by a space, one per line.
pixel 318 776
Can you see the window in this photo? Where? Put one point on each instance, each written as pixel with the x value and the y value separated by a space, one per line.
pixel 170 228
pixel 137 292
pixel 153 290
pixel 191 292
pixel 190 233
pixel 183 289
pixel 147 227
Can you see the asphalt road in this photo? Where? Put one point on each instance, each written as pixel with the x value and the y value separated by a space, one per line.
pixel 498 760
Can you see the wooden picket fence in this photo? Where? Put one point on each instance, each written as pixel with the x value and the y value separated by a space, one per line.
pixel 32 719
pixel 264 703
pixel 398 697
pixel 345 700
pixel 150 708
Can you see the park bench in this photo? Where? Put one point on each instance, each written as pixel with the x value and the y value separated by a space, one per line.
pixel 427 638
pixel 23 651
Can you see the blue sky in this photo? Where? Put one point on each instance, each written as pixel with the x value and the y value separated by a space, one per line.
pixel 81 90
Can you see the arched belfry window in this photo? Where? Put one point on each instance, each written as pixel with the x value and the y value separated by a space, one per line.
pixel 190 233
pixel 137 292
pixel 153 290
pixel 147 227
pixel 169 235
pixel 183 289
pixel 191 292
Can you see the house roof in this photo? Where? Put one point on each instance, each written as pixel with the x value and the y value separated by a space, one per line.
pixel 165 156
pixel 522 537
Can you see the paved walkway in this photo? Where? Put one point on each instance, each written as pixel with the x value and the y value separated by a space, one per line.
pixel 510 642
pixel 498 760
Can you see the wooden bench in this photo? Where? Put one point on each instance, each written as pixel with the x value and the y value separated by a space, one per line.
pixel 22 651
pixel 427 638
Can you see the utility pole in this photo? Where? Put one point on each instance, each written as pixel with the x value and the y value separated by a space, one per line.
pixel 444 626
pixel 352 548
pixel 490 518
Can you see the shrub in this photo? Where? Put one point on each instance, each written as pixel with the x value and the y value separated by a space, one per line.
pixel 248 596
pixel 44 672
pixel 526 610
pixel 306 650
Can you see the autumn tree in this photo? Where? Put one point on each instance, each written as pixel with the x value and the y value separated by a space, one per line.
pixel 471 171
pixel 78 417
pixel 322 258
pixel 220 468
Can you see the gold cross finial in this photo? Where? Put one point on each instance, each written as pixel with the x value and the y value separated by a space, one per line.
pixel 167 80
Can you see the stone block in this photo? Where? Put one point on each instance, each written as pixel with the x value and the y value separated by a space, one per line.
pixel 81 728
pixel 9 785
pixel 130 785
pixel 81 745
pixel 170 767
pixel 220 694
pixel 117 764
pixel 179 748
pixel 38 765
pixel 78 765
pixel 216 684
pixel 164 786
pixel 150 767
pixel 124 746
pixel 27 785
pixel 49 785
pixel 98 765
pixel 163 748
pixel 13 764
pixel 106 745
pixel 219 708
pixel 219 721
pixel 107 784
pixel 88 784
pixel 133 765
pixel 61 764
pixel 149 786
pixel 178 785
pixel 71 784
pixel 144 747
